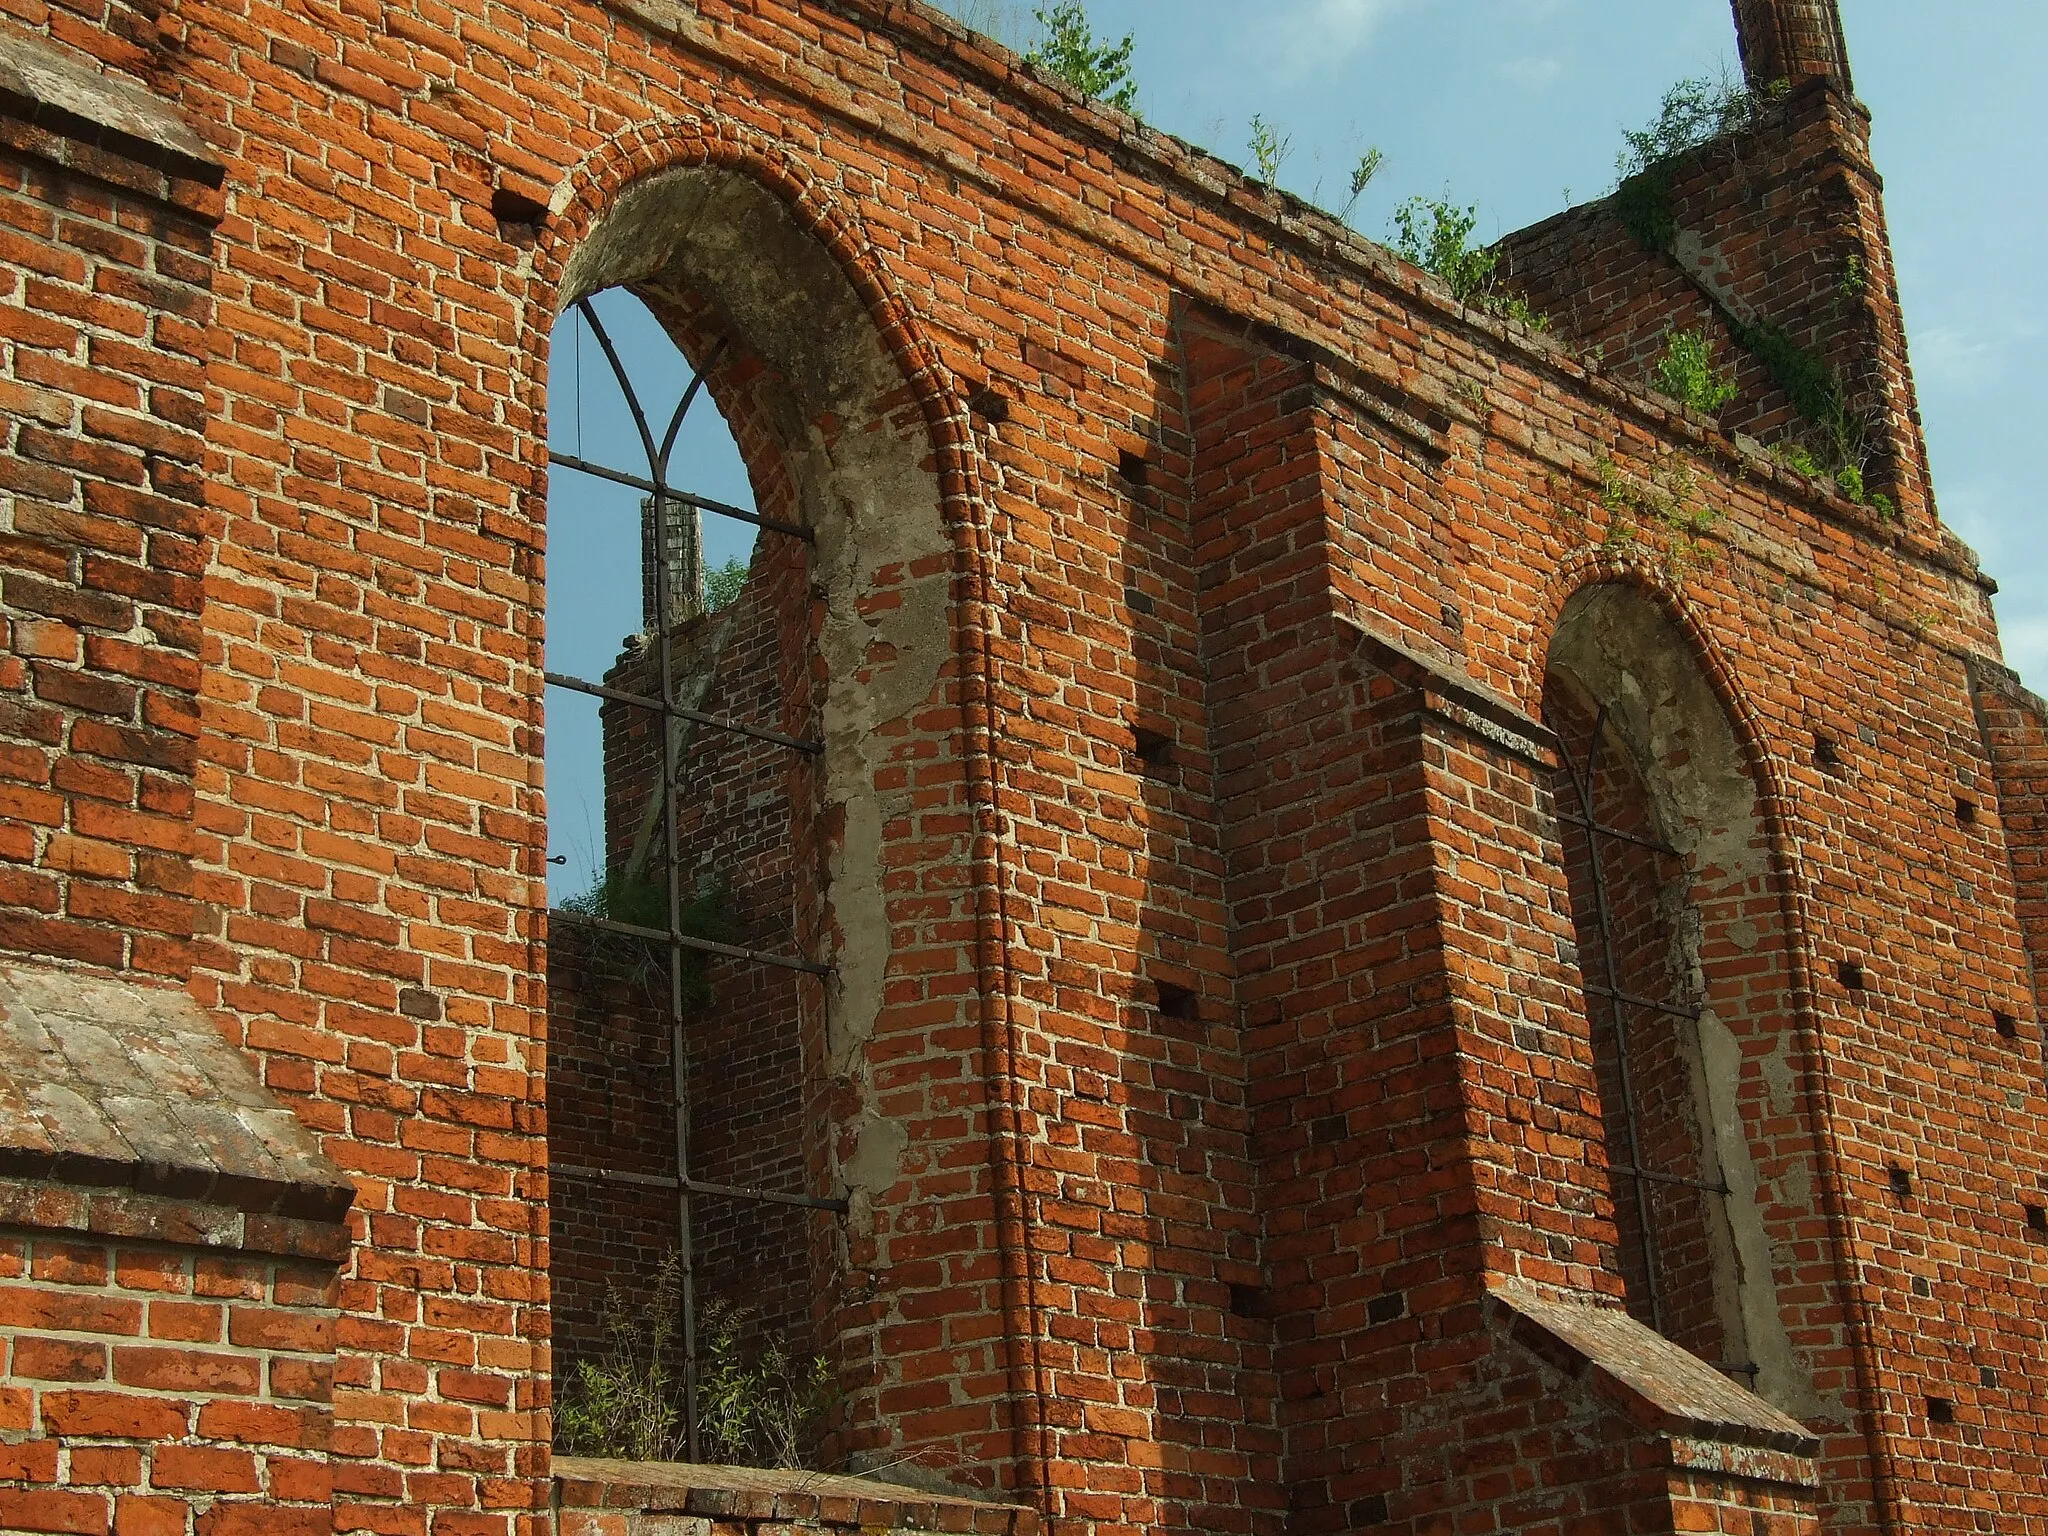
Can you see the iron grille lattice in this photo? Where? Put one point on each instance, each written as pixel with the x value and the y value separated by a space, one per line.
pixel 677 944
pixel 1619 1005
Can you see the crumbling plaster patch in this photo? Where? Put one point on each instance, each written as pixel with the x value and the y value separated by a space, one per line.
pixel 880 559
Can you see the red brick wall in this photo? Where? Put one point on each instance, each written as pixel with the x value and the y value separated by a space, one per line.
pixel 104 308
pixel 1786 224
pixel 152 1387
pixel 2014 725
pixel 1116 1012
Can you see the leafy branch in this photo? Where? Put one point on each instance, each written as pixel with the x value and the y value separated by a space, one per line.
pixel 1096 67
pixel 1436 235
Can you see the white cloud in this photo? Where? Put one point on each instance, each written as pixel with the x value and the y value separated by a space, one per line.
pixel 1951 356
pixel 1317 34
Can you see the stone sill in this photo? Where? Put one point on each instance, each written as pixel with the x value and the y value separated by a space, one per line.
pixel 814 1500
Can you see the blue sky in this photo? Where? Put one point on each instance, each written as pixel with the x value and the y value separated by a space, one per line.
pixel 1517 106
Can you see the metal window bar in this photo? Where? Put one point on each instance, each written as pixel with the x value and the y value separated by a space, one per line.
pixel 1620 1004
pixel 1618 1001
pixel 678 944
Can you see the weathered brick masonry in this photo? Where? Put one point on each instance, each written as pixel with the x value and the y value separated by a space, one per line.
pixel 1201 620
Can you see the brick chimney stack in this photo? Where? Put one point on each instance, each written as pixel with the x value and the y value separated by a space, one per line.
pixel 1792 40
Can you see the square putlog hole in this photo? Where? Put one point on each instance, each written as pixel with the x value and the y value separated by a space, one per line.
pixel 1178 1002
pixel 1154 752
pixel 1852 975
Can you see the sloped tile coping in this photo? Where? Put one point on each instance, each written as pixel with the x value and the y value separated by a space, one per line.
pixel 107 1084
pixel 1660 1386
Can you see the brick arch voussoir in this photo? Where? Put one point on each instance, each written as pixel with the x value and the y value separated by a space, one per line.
pixel 680 143
pixel 1598 567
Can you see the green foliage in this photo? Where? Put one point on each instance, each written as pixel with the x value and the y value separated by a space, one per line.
pixel 1436 235
pixel 1362 175
pixel 1643 204
pixel 1854 284
pixel 1693 113
pixel 1093 66
pixel 1687 373
pixel 758 1409
pixel 1798 458
pixel 761 1408
pixel 1670 500
pixel 628 1403
pixel 633 899
pixel 1270 149
pixel 1816 392
pixel 722 584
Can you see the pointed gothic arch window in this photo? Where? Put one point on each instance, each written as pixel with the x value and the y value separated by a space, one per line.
pixel 1683 959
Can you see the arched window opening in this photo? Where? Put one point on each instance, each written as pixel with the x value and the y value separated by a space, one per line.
pixel 683 911
pixel 1683 957
pixel 1637 931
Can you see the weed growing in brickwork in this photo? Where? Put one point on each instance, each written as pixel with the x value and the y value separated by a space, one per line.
pixel 1692 113
pixel 1670 500
pixel 1436 235
pixel 1848 478
pixel 629 1403
pixel 1093 66
pixel 1854 285
pixel 759 1408
pixel 622 897
pixel 1270 149
pixel 765 1409
pixel 723 583
pixel 1835 445
pixel 1687 373
pixel 1362 175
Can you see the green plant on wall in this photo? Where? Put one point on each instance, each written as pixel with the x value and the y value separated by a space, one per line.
pixel 1692 113
pixel 1436 235
pixel 1270 148
pixel 1670 500
pixel 1093 66
pixel 1837 430
pixel 1688 375
pixel 638 902
pixel 758 1407
pixel 1370 164
pixel 722 584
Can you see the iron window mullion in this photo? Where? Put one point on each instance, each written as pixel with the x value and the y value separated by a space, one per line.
pixel 648 702
pixel 1603 916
